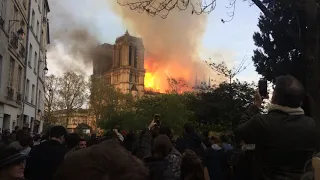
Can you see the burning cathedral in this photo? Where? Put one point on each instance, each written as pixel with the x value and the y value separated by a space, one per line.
pixel 123 65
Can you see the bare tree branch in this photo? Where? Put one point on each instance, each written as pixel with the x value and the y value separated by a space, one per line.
pixel 222 69
pixel 163 7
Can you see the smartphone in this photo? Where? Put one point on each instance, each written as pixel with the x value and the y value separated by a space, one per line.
pixel 157 119
pixel 263 88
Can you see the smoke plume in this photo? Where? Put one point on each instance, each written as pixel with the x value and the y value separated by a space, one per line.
pixel 172 44
pixel 73 45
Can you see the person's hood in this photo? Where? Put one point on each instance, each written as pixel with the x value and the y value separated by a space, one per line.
pixel 289 110
pixel 193 139
pixel 216 147
pixel 155 166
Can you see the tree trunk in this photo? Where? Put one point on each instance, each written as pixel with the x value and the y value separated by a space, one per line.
pixel 311 50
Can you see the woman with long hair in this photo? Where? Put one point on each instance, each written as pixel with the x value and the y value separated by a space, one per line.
pixel 191 167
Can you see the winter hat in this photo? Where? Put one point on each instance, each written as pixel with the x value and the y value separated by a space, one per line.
pixel 10 156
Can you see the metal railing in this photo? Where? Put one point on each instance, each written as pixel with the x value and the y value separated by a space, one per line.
pixel 14 40
pixel 1 22
pixel 22 51
pixel 10 93
pixel 19 97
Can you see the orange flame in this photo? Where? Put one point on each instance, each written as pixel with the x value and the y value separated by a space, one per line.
pixel 156 76
pixel 150 78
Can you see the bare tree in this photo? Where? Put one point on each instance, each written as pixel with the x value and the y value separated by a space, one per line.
pixel 230 73
pixel 163 7
pixel 176 85
pixel 72 91
pixel 106 100
pixel 51 97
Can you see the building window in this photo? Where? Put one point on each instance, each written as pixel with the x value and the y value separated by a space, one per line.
pixel 0 69
pixel 32 94
pixel 136 78
pixel 119 56
pixel 41 39
pixel 116 78
pixel 130 77
pixel 15 16
pixel 32 19
pixel 38 102
pixel 11 72
pixel 37 32
pixel 35 62
pixel 19 79
pixel 2 11
pixel 108 80
pixel 130 54
pixel 26 97
pixel 30 55
pixel 135 58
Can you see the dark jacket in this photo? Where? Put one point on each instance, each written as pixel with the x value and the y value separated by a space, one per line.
pixel 44 159
pixel 216 163
pixel 284 141
pixel 159 169
pixel 191 141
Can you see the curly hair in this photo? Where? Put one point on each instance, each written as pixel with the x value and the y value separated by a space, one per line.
pixel 191 166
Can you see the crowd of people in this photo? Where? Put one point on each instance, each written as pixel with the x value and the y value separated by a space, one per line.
pixel 274 146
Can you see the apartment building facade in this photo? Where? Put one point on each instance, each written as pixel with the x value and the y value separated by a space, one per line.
pixel 36 65
pixel 13 20
pixel 15 40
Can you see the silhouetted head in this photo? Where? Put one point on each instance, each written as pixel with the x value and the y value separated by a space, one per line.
pixel 191 166
pixel 166 131
pixel 58 133
pixel 72 140
pixel 161 146
pixel 189 128
pixel 205 133
pixel 223 138
pixel 105 161
pixel 288 92
pixel 26 140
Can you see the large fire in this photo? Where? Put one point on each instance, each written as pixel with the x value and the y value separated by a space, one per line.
pixel 156 76
pixel 151 78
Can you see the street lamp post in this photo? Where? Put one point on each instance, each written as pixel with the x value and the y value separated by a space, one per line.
pixel 20 32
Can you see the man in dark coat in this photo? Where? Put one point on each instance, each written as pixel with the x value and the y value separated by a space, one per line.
pixel 154 155
pixel 285 139
pixel 191 140
pixel 45 158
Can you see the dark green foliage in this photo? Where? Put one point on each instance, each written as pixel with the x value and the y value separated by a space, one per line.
pixel 223 105
pixel 277 53
pixel 216 108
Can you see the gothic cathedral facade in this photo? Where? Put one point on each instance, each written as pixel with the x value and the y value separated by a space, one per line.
pixel 122 64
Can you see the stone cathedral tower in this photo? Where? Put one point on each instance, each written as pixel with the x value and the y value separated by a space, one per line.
pixel 123 64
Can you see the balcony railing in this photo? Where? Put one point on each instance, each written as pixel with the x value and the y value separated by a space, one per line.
pixel 1 22
pixel 14 40
pixel 22 51
pixel 24 4
pixel 19 97
pixel 10 93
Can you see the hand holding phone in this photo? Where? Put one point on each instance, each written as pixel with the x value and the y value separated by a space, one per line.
pixel 157 119
pixel 263 88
